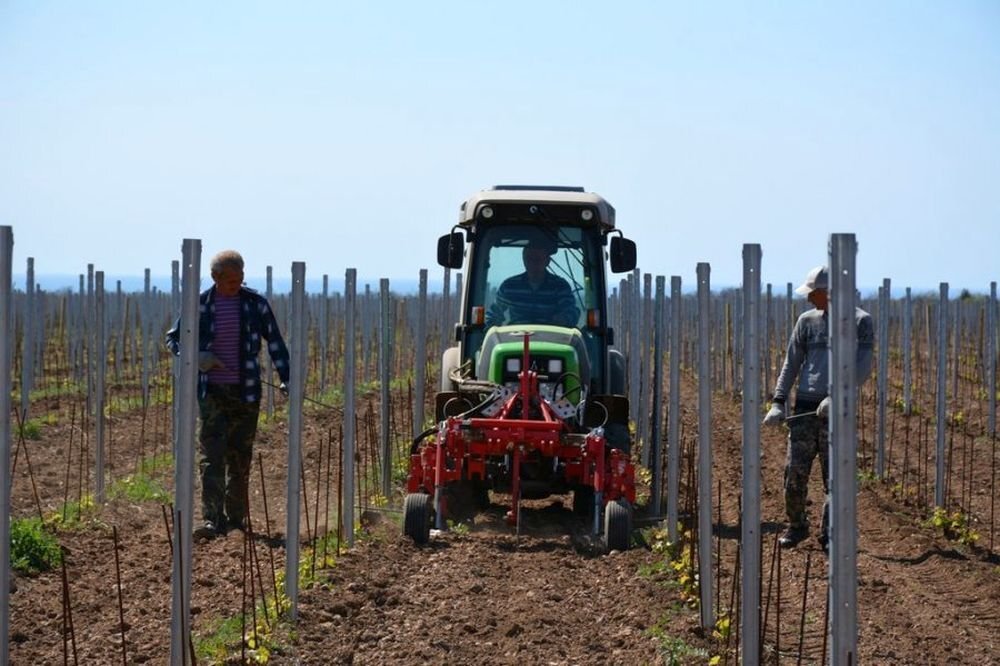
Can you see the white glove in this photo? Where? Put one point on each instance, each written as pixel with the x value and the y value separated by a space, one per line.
pixel 823 411
pixel 207 361
pixel 283 387
pixel 775 415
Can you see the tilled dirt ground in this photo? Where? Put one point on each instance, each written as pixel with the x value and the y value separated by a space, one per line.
pixel 481 594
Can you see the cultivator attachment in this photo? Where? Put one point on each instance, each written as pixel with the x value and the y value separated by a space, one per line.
pixel 519 441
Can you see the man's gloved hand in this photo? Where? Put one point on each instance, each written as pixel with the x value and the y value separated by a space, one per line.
pixel 283 387
pixel 775 415
pixel 207 361
pixel 823 411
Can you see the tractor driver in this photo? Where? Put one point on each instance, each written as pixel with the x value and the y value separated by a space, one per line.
pixel 535 296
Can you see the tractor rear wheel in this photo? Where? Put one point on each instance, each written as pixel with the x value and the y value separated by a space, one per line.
pixel 416 518
pixel 617 525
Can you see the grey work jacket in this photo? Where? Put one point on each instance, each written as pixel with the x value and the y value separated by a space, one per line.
pixel 808 356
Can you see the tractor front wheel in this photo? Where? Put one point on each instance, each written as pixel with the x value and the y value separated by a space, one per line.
pixel 617 525
pixel 417 518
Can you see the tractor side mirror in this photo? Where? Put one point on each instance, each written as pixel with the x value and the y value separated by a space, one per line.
pixel 451 250
pixel 622 254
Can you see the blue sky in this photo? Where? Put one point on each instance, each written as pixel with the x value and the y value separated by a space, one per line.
pixel 348 135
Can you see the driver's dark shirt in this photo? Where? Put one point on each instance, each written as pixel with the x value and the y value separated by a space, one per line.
pixel 518 302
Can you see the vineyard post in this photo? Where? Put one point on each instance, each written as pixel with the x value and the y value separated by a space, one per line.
pixel 99 381
pixel 750 523
pixel 633 324
pixel 78 331
pixel 324 332
pixel 445 312
pixel 27 355
pixel 656 428
pixel 119 333
pixel 705 446
pixel 674 411
pixel 942 388
pixel 184 437
pixel 766 354
pixel 907 354
pixel 843 449
pixel 350 427
pixel 6 266
pixel 298 338
pixel 147 328
pixel 737 337
pixel 268 367
pixel 645 367
pixel 885 301
pixel 790 304
pixel 175 307
pixel 456 309
pixel 991 361
pixel 420 370
pixel 384 373
pixel 89 329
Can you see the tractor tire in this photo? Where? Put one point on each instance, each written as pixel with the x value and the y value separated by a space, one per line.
pixel 583 502
pixel 617 525
pixel 417 518
pixel 450 360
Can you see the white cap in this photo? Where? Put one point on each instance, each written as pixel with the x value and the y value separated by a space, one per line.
pixel 818 278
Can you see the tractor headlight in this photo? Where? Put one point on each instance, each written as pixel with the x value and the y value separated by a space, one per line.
pixel 555 366
pixel 486 212
pixel 513 364
pixel 586 215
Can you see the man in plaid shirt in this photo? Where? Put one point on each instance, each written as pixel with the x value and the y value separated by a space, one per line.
pixel 232 321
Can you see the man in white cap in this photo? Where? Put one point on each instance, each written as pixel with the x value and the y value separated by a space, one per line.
pixel 808 436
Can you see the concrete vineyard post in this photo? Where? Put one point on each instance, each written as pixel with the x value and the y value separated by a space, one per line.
pixel 674 410
pixel 419 375
pixel 705 446
pixel 750 536
pixel 885 300
pixel 298 332
pixel 384 377
pixel 350 363
pixel 843 450
pixel 6 300
pixel 99 383
pixel 941 402
pixel 656 426
pixel 184 439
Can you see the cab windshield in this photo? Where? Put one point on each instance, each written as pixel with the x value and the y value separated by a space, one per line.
pixel 517 286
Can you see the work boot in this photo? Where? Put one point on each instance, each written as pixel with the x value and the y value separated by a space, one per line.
pixel 793 536
pixel 207 530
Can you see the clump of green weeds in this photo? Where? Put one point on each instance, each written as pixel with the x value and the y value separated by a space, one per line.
pixel 33 549
pixel 955 526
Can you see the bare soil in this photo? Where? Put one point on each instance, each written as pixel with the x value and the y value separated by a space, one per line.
pixel 482 594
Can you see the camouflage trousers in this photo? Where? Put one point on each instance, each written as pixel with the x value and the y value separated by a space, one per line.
pixel 228 428
pixel 808 438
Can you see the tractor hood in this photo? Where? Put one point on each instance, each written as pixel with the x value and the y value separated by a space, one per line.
pixel 545 342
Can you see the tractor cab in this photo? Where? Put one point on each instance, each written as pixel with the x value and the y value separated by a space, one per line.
pixel 531 399
pixel 500 232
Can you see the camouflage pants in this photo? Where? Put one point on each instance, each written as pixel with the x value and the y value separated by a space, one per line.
pixel 228 428
pixel 808 437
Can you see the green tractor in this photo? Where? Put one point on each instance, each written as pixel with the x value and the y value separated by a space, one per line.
pixel 531 399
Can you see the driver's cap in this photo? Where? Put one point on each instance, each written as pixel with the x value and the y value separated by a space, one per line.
pixel 818 278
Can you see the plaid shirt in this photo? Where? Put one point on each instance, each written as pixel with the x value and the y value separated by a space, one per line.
pixel 256 322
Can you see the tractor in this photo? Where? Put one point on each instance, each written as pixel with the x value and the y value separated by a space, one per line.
pixel 531 400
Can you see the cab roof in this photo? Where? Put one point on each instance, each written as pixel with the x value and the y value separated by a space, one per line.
pixel 542 194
